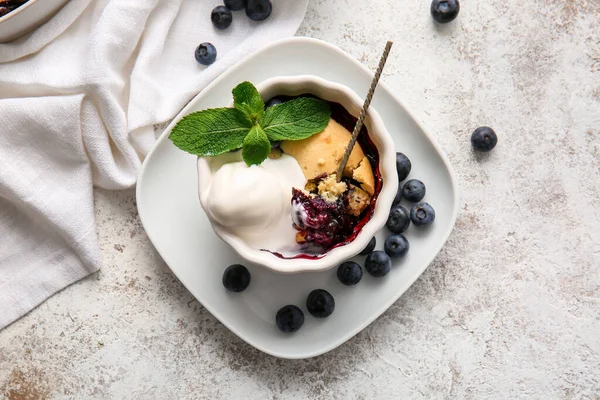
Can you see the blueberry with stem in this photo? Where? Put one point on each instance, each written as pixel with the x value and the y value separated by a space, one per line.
pixel 422 214
pixel 206 53
pixel 484 139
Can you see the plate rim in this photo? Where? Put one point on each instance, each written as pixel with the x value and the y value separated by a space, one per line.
pixel 384 305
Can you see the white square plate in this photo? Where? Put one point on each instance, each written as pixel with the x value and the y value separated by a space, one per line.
pixel 167 199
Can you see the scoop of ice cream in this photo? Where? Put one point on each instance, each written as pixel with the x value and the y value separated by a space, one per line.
pixel 246 197
pixel 254 203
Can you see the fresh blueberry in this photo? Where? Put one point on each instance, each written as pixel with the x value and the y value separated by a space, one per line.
pixel 273 102
pixel 206 53
pixel 236 278
pixel 370 247
pixel 378 264
pixel 403 166
pixel 413 190
pixel 399 219
pixel 396 245
pixel 349 273
pixel 444 11
pixel 320 303
pixel 235 5
pixel 221 17
pixel 258 10
pixel 289 319
pixel 484 139
pixel 422 214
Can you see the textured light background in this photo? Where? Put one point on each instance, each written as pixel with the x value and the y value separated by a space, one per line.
pixel 509 309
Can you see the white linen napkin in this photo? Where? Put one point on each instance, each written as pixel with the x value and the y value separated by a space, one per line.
pixel 78 100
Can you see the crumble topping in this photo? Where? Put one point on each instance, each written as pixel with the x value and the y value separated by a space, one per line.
pixel 330 190
pixel 358 200
pixel 311 186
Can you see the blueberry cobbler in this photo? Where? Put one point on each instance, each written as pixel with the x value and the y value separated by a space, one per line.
pixel 270 172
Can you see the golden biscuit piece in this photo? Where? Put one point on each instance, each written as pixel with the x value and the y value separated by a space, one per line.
pixel 321 154
pixel 358 200
pixel 363 173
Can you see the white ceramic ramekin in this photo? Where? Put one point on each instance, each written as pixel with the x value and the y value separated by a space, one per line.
pixel 334 92
pixel 27 17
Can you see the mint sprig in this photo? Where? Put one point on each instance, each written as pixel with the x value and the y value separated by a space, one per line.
pixel 248 126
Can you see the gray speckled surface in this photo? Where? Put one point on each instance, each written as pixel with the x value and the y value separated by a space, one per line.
pixel 509 309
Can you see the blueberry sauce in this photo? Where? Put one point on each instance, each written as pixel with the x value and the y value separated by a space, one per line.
pixel 321 223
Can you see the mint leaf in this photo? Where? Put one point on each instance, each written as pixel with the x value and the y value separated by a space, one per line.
pixel 211 132
pixel 247 99
pixel 248 126
pixel 256 146
pixel 296 119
